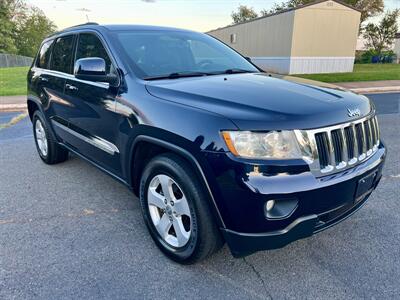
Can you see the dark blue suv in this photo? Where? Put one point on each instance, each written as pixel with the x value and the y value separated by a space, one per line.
pixel 217 150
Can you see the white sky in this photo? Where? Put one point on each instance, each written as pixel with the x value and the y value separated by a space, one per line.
pixel 199 15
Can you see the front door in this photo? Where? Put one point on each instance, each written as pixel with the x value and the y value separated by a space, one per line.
pixel 93 123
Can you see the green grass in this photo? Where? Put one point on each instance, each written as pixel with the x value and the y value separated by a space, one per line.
pixel 362 72
pixel 13 81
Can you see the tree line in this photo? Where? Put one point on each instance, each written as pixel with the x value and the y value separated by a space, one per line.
pixel 22 27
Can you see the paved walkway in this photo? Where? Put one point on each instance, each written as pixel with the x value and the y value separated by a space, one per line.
pixel 381 86
pixel 369 84
pixel 13 99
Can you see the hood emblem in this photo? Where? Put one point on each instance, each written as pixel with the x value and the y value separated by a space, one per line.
pixel 353 112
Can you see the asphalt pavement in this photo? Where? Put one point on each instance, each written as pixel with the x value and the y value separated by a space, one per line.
pixel 71 231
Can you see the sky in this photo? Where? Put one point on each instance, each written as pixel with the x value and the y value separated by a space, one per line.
pixel 199 15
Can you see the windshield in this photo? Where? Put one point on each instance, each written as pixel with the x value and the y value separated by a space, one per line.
pixel 162 53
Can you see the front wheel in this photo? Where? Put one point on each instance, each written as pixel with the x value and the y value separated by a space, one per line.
pixel 176 211
pixel 49 150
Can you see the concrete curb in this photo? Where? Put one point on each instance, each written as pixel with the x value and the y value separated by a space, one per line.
pixel 12 107
pixel 377 90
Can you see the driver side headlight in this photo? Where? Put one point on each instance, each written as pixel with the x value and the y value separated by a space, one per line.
pixel 266 145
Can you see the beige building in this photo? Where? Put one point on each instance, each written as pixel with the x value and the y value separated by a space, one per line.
pixel 397 47
pixel 317 38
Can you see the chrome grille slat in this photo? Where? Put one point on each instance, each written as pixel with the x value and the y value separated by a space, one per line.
pixel 342 146
pixel 323 149
pixel 331 149
pixel 356 152
pixel 345 157
pixel 367 132
pixel 349 133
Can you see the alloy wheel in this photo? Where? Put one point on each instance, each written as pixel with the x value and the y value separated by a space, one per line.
pixel 41 138
pixel 169 210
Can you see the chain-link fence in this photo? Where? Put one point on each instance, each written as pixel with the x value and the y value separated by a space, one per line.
pixel 12 60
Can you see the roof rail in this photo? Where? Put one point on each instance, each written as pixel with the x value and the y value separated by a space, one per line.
pixel 88 23
pixel 78 25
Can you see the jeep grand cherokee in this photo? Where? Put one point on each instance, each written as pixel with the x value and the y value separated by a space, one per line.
pixel 217 150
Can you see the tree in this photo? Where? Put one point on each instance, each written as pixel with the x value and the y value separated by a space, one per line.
pixel 379 37
pixel 22 28
pixel 8 12
pixel 243 14
pixel 31 30
pixel 368 8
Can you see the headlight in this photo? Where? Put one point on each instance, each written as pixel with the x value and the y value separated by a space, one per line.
pixel 268 145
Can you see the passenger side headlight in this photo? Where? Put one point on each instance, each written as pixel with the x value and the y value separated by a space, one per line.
pixel 265 145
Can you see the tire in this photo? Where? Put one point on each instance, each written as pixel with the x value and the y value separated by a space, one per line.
pixel 204 238
pixel 48 149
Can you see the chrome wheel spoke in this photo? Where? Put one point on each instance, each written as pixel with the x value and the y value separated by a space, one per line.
pixel 182 235
pixel 181 207
pixel 163 226
pixel 166 185
pixel 155 198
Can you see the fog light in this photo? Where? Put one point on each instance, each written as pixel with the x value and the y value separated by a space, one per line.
pixel 278 209
pixel 269 205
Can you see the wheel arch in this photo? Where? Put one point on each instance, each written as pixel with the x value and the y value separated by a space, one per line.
pixel 32 106
pixel 156 146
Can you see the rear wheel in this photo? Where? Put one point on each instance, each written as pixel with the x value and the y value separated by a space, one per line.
pixel 49 150
pixel 176 211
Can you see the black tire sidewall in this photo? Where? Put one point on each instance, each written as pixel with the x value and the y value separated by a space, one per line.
pixel 158 167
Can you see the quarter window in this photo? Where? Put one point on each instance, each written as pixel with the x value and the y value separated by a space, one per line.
pixel 44 55
pixel 89 45
pixel 61 57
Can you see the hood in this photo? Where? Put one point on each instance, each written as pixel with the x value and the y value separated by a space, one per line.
pixel 257 101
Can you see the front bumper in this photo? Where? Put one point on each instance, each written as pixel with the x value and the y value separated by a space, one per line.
pixel 322 203
pixel 243 244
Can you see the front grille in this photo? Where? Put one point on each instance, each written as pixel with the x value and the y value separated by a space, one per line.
pixel 342 146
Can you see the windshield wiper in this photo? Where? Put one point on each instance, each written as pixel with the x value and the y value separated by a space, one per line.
pixel 237 71
pixel 178 75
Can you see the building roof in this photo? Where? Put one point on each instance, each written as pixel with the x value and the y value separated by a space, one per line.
pixel 288 10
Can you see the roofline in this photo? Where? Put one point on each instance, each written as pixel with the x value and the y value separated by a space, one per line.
pixel 285 11
pixel 72 27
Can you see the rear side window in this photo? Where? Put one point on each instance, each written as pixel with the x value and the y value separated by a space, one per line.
pixel 44 55
pixel 61 57
pixel 89 45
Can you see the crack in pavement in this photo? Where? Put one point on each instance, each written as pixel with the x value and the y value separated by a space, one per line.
pixel 258 276
pixel 231 282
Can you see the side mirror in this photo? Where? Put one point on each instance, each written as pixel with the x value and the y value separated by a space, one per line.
pixel 93 69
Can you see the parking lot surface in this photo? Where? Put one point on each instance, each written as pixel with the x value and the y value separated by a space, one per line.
pixel 71 231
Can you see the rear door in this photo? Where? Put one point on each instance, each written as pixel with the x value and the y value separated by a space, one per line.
pixel 39 77
pixel 93 123
pixel 60 69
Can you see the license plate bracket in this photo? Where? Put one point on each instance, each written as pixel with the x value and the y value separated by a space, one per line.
pixel 364 185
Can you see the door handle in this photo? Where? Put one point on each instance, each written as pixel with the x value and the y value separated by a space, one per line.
pixel 71 87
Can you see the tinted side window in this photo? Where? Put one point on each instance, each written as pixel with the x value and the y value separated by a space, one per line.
pixel 89 45
pixel 44 55
pixel 62 54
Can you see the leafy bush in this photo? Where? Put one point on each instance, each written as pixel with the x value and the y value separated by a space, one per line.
pixel 373 56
